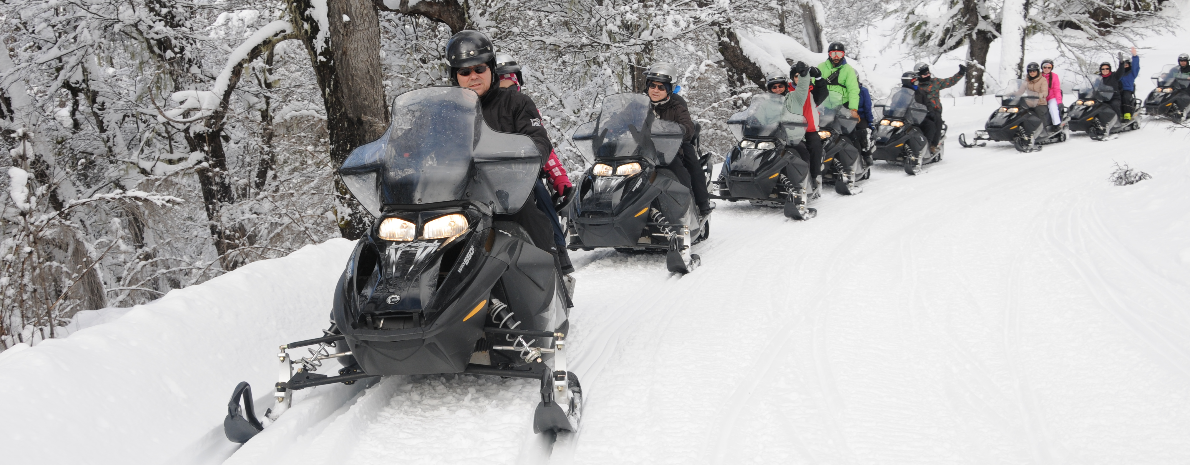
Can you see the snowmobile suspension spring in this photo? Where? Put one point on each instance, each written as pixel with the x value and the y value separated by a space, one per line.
pixel 504 318
pixel 661 222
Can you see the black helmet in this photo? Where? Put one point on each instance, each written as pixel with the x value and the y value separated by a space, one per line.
pixel 1101 65
pixel 1033 67
pixel 836 46
pixel 776 79
pixel 1048 61
pixel 469 48
pixel 921 68
pixel 505 65
pixel 908 78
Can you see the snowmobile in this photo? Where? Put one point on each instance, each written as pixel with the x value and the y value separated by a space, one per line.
pixel 899 138
pixel 439 284
pixel 764 168
pixel 1013 120
pixel 1092 112
pixel 628 199
pixel 1171 98
pixel 842 164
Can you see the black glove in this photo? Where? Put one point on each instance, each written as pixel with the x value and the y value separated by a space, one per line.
pixel 815 72
pixel 799 69
pixel 962 69
pixel 562 199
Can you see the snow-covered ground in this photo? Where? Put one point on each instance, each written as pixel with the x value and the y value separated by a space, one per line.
pixel 999 308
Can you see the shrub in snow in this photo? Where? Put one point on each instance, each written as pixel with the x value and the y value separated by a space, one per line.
pixel 1125 176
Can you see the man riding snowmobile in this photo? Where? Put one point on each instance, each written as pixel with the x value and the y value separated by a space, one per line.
pixel 659 82
pixel 1129 70
pixel 900 136
pixel 933 89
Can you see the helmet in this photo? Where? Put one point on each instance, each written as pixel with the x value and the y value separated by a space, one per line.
pixel 505 64
pixel 1184 57
pixel 921 68
pixel 1048 61
pixel 469 48
pixel 836 46
pixel 661 72
pixel 908 78
pixel 776 79
pixel 1033 67
pixel 1101 65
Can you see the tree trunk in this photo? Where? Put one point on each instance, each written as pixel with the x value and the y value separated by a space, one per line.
pixel 977 58
pixel 812 27
pixel 740 69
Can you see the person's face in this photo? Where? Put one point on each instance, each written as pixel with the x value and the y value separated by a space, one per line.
pixel 477 78
pixel 924 76
pixel 657 91
pixel 1183 62
pixel 777 88
pixel 1047 69
pixel 836 56
pixel 1105 70
pixel 1033 73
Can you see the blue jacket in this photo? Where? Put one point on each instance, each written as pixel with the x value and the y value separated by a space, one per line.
pixel 865 106
pixel 1128 80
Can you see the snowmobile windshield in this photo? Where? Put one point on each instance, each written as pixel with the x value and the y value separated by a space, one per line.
pixel 766 118
pixel 1168 76
pixel 628 128
pixel 901 104
pixel 1096 89
pixel 1016 94
pixel 438 149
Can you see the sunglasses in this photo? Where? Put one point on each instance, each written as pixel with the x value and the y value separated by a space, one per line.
pixel 656 85
pixel 1047 67
pixel 478 69
pixel 835 54
pixel 1105 69
pixel 775 86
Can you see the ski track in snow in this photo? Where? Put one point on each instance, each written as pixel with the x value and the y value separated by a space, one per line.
pixel 998 308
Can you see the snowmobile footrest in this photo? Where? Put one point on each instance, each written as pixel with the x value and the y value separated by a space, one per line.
pixel 521 332
pixel 241 424
pixel 310 342
pixel 487 370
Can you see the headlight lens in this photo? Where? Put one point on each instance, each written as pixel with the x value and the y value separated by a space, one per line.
pixel 1167 89
pixel 1014 110
pixel 396 229
pixel 884 122
pixel 766 145
pixel 824 134
pixel 1003 109
pixel 897 124
pixel 445 226
pixel 1078 102
pixel 747 144
pixel 601 169
pixel 628 169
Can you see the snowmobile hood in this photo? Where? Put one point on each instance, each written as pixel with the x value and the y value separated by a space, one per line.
pixel 438 149
pixel 766 118
pixel 628 128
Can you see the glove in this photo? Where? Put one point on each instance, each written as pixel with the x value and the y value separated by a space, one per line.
pixel 563 197
pixel 962 69
pixel 815 72
pixel 799 69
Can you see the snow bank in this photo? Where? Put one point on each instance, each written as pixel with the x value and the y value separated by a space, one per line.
pixel 146 386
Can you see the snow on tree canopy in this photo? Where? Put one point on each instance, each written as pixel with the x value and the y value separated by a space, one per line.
pixel 18 187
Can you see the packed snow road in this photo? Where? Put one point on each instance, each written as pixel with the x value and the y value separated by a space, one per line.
pixel 999 308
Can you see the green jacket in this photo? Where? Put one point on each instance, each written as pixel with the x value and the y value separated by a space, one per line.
pixel 846 84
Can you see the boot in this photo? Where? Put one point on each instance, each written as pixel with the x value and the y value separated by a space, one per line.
pixel 564 262
pixel 815 185
pixel 706 210
pixel 867 156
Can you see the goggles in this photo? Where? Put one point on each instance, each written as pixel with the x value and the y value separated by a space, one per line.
pixel 836 54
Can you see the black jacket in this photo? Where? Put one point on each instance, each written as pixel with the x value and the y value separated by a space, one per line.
pixel 510 111
pixel 674 109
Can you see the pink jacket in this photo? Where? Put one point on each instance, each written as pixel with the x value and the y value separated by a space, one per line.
pixel 1055 88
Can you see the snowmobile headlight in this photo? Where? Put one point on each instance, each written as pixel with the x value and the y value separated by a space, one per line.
pixel 628 169
pixel 396 229
pixel 747 144
pixel 1014 110
pixel 897 124
pixel 766 145
pixel 1166 90
pixel 445 226
pixel 824 134
pixel 601 169
pixel 884 122
pixel 1002 109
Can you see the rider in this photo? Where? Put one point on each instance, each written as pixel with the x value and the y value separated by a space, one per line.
pixel 866 124
pixel 669 106
pixel 929 125
pixel 933 89
pixel 473 66
pixel 842 79
pixel 1128 70
pixel 777 84
pixel 1039 86
pixel 1184 64
pixel 1054 99
pixel 1111 80
pixel 806 103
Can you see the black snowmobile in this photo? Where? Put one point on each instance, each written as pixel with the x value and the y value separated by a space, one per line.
pixel 628 199
pixel 1093 113
pixel 764 168
pixel 842 164
pixel 1171 98
pixel 1017 120
pixel 438 284
pixel 899 138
